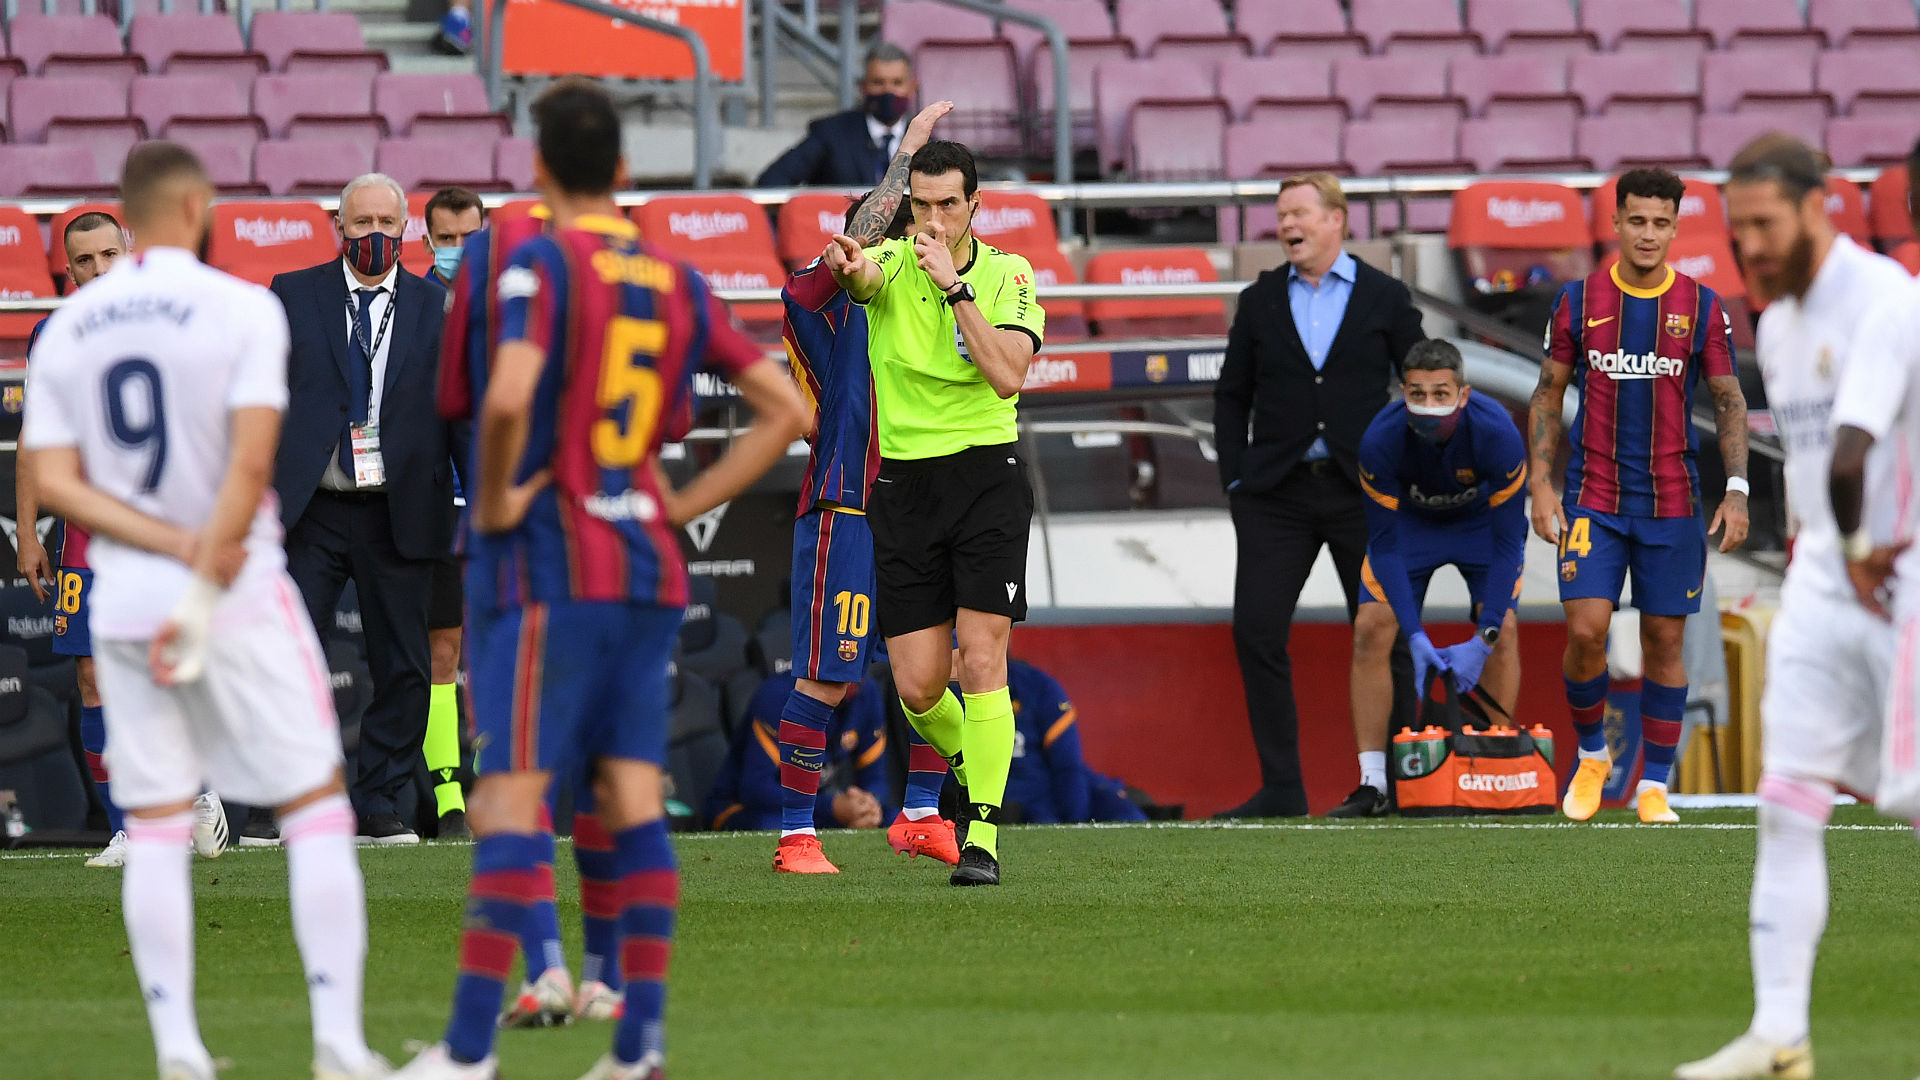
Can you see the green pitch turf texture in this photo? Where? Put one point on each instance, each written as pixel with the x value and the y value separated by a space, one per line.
pixel 1400 950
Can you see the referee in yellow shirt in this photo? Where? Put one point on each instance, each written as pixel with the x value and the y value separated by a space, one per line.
pixel 953 324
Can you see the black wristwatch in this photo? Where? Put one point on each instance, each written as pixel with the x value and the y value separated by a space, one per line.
pixel 1490 635
pixel 960 291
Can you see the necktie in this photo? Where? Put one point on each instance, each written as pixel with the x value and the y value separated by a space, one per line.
pixel 880 144
pixel 359 374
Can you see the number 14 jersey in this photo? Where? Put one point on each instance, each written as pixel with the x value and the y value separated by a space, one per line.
pixel 623 329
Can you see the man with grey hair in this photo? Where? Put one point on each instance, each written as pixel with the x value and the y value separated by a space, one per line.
pixel 852 148
pixel 364 478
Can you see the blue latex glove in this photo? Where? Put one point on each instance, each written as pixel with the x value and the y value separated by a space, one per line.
pixel 1426 659
pixel 1467 660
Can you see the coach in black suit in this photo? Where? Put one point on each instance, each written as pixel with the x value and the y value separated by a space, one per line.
pixel 1313 354
pixel 366 348
pixel 853 148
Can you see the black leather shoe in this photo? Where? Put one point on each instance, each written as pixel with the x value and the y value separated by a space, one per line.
pixel 1366 801
pixel 1267 803
pixel 386 830
pixel 260 829
pixel 453 826
pixel 976 867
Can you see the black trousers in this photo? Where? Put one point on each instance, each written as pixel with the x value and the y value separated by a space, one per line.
pixel 1280 534
pixel 343 538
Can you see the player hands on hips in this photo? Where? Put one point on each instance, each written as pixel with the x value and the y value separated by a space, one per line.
pixel 1635 339
pixel 1442 470
pixel 953 326
pixel 576 590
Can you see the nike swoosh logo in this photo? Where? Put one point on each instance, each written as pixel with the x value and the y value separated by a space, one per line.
pixel 1516 470
pixel 1599 322
pixel 1693 592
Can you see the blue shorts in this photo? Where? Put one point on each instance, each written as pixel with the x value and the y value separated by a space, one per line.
pixel 1666 556
pixel 70 634
pixel 1426 548
pixel 556 686
pixel 833 589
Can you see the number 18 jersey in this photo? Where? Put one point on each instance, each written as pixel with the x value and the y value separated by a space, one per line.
pixel 140 372
pixel 623 329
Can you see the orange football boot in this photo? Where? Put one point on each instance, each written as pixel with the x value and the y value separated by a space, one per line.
pixel 932 837
pixel 801 854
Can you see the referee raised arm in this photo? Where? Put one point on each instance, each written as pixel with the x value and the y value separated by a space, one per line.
pixel 953 325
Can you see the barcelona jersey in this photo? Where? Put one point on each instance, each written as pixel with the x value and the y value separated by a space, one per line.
pixel 1637 357
pixel 467 342
pixel 623 330
pixel 826 339
pixel 71 551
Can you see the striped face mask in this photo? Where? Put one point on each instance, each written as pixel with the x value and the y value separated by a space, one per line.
pixel 373 254
pixel 1435 423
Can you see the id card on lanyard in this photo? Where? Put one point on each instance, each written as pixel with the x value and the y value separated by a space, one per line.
pixel 369 465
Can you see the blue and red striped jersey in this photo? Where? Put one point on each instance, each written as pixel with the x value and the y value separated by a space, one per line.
pixel 1637 356
pixel 467 341
pixel 826 338
pixel 72 554
pixel 623 329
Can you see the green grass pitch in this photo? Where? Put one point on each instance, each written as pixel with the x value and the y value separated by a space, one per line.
pixel 1400 950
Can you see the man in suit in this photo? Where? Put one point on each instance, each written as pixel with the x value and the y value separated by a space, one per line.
pixel 852 148
pixel 1314 347
pixel 364 474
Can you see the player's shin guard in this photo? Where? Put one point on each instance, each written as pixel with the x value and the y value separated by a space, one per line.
pixel 329 922
pixel 989 753
pixel 1789 910
pixel 156 899
pixel 1587 701
pixel 504 885
pixel 649 898
pixel 803 753
pixel 442 747
pixel 1662 708
pixel 540 932
pixel 599 902
pixel 926 775
pixel 93 739
pixel 942 727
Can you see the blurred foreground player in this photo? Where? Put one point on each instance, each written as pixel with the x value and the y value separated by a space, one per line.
pixel 575 586
pixel 1443 469
pixel 1835 351
pixel 833 572
pixel 1636 339
pixel 94 242
pixel 157 401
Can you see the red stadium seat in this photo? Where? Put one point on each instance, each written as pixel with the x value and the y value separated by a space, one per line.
pixel 57 231
pixel 35 104
pixel 1514 26
pixel 1505 144
pixel 1066 319
pixel 162 40
pixel 87 39
pixel 1887 203
pixel 310 166
pixel 1083 67
pixel 1870 82
pixel 1722 135
pixel 1296 86
pixel 1847 206
pixel 20 246
pixel 1120 84
pixel 1755 80
pixel 982 79
pixel 1154 318
pixel 1514 87
pixel 49 170
pixel 513 163
pixel 434 163
pixel 1845 21
pixel 240 69
pixel 1701 208
pixel 1907 254
pixel 229 166
pixel 1401 26
pixel 413 245
pixel 1082 22
pixel 1773 23
pixel 805 224
pixel 1183 29
pixel 1501 231
pixel 107 140
pixel 1377 147
pixel 1300 28
pixel 1642 85
pixel 23 281
pixel 256 240
pixel 159 100
pixel 1015 221
pixel 1177 141
pixel 1868 140
pixel 746 270
pixel 291 40
pixel 327 105
pixel 1397 88
pixel 1279 146
pixel 441 106
pixel 687 225
pixel 1613 142
pixel 912 23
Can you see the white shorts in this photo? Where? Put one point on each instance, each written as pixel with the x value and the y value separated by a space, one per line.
pixel 258 728
pixel 1899 792
pixel 1828 666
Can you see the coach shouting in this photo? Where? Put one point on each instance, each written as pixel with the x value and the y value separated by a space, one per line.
pixel 1314 347
pixel 364 474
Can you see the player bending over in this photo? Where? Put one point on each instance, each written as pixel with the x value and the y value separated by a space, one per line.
pixel 575 586
pixel 1636 340
pixel 157 395
pixel 1442 469
pixel 1836 350
pixel 833 572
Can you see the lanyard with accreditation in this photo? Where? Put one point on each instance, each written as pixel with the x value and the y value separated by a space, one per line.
pixel 369 466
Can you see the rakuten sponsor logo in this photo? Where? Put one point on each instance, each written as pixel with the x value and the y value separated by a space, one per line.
pixel 1692 206
pixel 993 220
pixel 1697 266
pixel 1520 213
pixel 1159 275
pixel 1625 365
pixel 271 232
pixel 738 279
pixel 710 225
pixel 1043 373
pixel 831 222
pixel 1499 782
pixel 629 505
pixel 10 236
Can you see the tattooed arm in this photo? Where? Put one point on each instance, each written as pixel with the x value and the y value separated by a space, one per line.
pixel 869 225
pixel 1730 419
pixel 1543 436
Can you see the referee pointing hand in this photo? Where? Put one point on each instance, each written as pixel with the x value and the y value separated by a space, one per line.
pixel 953 325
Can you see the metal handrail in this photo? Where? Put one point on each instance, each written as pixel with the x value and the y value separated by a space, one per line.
pixel 706 121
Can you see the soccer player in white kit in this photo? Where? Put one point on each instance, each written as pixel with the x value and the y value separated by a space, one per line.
pixel 1828 658
pixel 157 395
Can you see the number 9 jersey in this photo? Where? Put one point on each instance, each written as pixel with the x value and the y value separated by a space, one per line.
pixel 623 329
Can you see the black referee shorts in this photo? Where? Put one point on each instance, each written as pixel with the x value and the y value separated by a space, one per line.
pixel 949 533
pixel 447 600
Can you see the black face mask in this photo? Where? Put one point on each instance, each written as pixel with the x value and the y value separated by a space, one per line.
pixel 887 108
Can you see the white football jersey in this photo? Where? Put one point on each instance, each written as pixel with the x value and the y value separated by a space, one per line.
pixel 140 371
pixel 1880 395
pixel 1806 344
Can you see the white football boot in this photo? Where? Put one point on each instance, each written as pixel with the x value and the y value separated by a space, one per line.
pixel 547 1002
pixel 436 1063
pixel 114 855
pixel 209 826
pixel 647 1068
pixel 326 1066
pixel 1750 1057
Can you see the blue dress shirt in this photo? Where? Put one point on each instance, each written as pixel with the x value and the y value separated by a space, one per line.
pixel 1317 314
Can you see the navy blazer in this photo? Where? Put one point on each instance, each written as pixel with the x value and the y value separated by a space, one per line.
pixel 837 152
pixel 416 443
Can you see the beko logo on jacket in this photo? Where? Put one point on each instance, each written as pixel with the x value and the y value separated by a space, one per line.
pixel 1628 365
